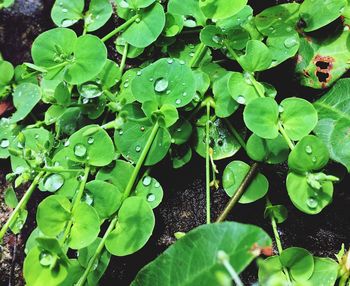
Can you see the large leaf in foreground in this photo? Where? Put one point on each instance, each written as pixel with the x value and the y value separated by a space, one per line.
pixel 193 259
pixel 334 121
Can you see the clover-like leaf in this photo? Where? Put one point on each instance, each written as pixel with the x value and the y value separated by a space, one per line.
pixel 180 132
pixel 134 4
pixel 192 14
pixel 6 72
pixel 134 227
pixel 98 14
pixel 234 175
pixel 306 198
pixel 261 117
pixel 151 190
pixel 147 28
pixel 235 239
pixel 310 154
pixel 319 13
pixel 272 151
pixel 278 212
pixel 65 13
pixel 257 57
pixel 96 149
pixel 298 117
pixel 173 24
pixel 64 55
pixel 167 81
pixel 221 9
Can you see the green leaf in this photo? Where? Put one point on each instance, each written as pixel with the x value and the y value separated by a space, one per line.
pixel 321 62
pixel 10 198
pixel 261 117
pixel 298 117
pixel 35 272
pixel 147 29
pixel 6 72
pixel 333 111
pixel 131 139
pixel 225 104
pixel 53 214
pixel 119 175
pixel 166 81
pixel 278 212
pixel 98 14
pixel 192 14
pixel 299 262
pixel 310 154
pixel 149 189
pixel 212 36
pixel 134 227
pixel 85 228
pixel 180 132
pixel 222 141
pixel 25 98
pixel 221 9
pixel 96 149
pixel 110 75
pixel 233 176
pixel 134 4
pixel 306 198
pixel 319 13
pixel 65 13
pixel 325 272
pixel 272 151
pixel 106 198
pixel 76 60
pixel 242 89
pixel 256 58
pixel 173 25
pixel 192 260
pixel 180 155
pixel 19 222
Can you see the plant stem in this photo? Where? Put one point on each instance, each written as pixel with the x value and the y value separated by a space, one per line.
pixel 21 205
pixel 285 136
pixel 225 261
pixel 238 194
pixel 125 53
pixel 207 162
pixel 342 281
pixel 120 28
pixel 127 192
pixel 236 134
pixel 57 170
pixel 77 201
pixel 198 56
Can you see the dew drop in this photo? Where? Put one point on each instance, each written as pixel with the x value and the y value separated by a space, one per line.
pixel 53 183
pixel 64 10
pixel 126 84
pixel 79 150
pixel 151 197
pixel 178 101
pixel 182 62
pixel 45 258
pixel 190 21
pixel 314 159
pixel 241 99
pixel 280 109
pixel 4 143
pixel 170 61
pixel 139 73
pixel 290 42
pixel 312 203
pixel 184 93
pixel 156 185
pixel 146 181
pixel 121 132
pixel 142 128
pixel 88 199
pixel 151 79
pixel 161 84
pixel 137 148
pixel 124 4
pixel 308 149
pixel 90 140
pixel 138 20
pixel 216 39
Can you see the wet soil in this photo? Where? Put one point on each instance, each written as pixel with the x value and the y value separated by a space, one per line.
pixel 183 207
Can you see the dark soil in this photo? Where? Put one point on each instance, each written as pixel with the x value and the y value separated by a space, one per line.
pixel 183 207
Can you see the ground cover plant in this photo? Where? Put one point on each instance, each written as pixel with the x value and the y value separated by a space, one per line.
pixel 88 132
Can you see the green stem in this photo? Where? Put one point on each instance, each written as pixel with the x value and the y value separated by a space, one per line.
pixel 57 170
pixel 236 134
pixel 127 192
pixel 21 205
pixel 225 261
pixel 110 95
pixel 238 194
pixel 120 28
pixel 123 61
pixel 198 56
pixel 285 136
pixel 207 162
pixel 77 201
pixel 343 279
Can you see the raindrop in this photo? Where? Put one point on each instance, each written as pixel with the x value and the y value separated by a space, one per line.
pixel 53 183
pixel 139 73
pixel 161 84
pixel 168 91
pixel 181 62
pixel 308 149
pixel 66 144
pixel 280 109
pixel 151 79
pixel 290 42
pixel 4 143
pixel 64 10
pixel 138 20
pixel 36 136
pixel 191 54
pixel 184 93
pixel 88 199
pixel 190 21
pixel 314 159
pixel 124 4
pixel 241 99
pixel 121 132
pixel 146 181
pixel 151 197
pixel 90 140
pixel 85 100
pixel 216 39
pixel 178 101
pixel 126 84
pixel 138 149
pixel 156 185
pixel 142 128
pixel 45 258
pixel 170 61
pixel 80 150
pixel 67 22
pixel 312 203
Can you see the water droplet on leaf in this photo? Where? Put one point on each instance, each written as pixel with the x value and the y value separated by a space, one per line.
pixel 90 140
pixel 151 197
pixel 4 143
pixel 308 149
pixel 241 99
pixel 138 149
pixel 53 183
pixel 80 150
pixel 146 181
pixel 161 84
pixel 312 203
pixel 290 42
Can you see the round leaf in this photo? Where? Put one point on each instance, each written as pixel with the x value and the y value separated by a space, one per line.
pixel 134 227
pixel 233 176
pixel 150 189
pixel 256 58
pixel 98 14
pixel 221 9
pixel 65 13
